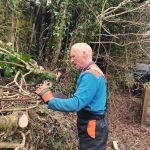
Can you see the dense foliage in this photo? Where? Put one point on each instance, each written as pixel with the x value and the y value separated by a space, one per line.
pixel 46 29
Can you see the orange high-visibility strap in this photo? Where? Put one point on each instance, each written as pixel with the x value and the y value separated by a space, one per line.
pixel 91 128
pixel 98 70
pixel 95 71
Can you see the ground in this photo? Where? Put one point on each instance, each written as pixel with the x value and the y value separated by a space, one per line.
pixel 124 116
pixel 52 130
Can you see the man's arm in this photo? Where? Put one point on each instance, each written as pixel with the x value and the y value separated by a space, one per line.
pixel 84 94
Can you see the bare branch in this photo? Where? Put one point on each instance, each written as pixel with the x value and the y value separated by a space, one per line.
pixel 122 45
pixel 127 21
pixel 21 109
pixel 128 11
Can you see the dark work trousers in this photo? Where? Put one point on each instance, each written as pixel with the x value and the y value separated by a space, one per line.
pixel 86 142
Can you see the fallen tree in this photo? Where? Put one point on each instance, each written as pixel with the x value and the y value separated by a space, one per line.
pixel 20 65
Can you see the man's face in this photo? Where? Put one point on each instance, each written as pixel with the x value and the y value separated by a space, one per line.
pixel 77 58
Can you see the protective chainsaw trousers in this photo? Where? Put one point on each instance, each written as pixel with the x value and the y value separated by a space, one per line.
pixel 93 134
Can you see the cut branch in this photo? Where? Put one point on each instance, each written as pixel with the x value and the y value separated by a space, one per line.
pixel 21 109
pixel 16 146
pixel 8 145
pixel 13 120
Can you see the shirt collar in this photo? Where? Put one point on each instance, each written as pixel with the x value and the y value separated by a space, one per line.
pixel 87 66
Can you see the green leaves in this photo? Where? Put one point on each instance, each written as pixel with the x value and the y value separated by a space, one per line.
pixel 11 61
pixel 15 3
pixel 11 58
pixel 26 57
pixel 8 72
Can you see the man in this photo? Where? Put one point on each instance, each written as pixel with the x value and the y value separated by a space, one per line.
pixel 89 100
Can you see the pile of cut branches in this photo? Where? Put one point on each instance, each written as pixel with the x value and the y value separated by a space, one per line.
pixel 26 123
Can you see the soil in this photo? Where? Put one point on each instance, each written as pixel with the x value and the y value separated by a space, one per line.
pixel 124 117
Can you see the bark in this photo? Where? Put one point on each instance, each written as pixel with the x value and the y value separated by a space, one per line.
pixel 42 32
pixel 12 121
pixel 8 145
pixel 8 122
pixel 61 23
pixel 13 29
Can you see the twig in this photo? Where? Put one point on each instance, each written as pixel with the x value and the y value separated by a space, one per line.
pixel 19 109
pixel 23 78
pixel 128 11
pixel 15 81
pixel 12 63
pixel 20 146
pixel 122 45
pixel 11 89
pixel 17 99
pixel 8 145
pixel 113 9
pixel 123 34
pixel 10 96
pixel 143 49
pixel 127 21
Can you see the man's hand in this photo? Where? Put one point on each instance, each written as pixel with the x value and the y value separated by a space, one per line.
pixel 45 93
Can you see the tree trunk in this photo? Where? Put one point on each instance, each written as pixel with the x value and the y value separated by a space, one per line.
pixel 60 30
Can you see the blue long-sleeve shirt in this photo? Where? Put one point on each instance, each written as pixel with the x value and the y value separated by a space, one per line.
pixel 90 95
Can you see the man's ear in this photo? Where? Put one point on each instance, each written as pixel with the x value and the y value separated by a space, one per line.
pixel 85 54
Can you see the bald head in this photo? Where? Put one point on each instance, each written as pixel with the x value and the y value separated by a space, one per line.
pixel 80 47
pixel 81 54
